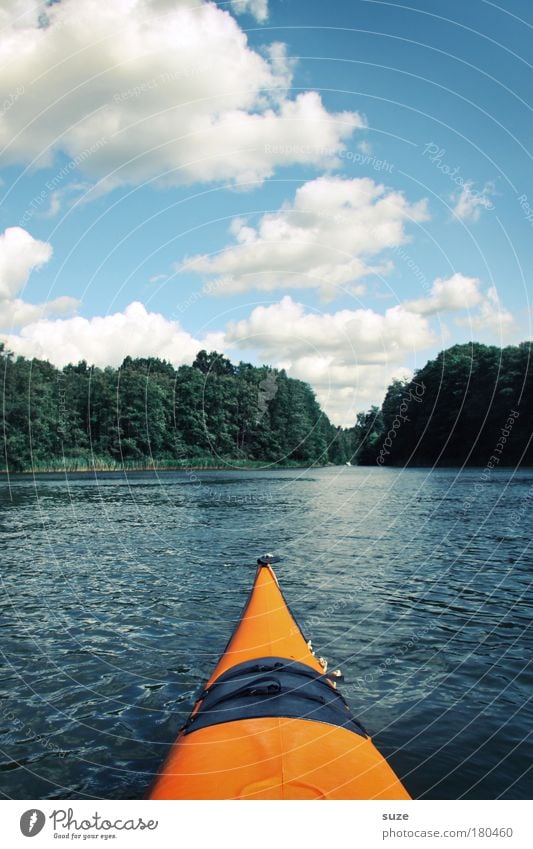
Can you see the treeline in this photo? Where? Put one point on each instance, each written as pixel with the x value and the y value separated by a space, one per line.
pixel 472 403
pixel 148 413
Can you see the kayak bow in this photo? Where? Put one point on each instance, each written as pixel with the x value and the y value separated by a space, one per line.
pixel 270 723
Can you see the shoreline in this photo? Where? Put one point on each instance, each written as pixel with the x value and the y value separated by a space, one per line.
pixel 86 470
pixel 198 467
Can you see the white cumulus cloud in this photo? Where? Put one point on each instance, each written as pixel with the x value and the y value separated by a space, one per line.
pixel 458 292
pixel 345 390
pixel 19 13
pixel 349 357
pixel 106 340
pixel 327 237
pixel 17 313
pixel 20 254
pixel 469 202
pixel 257 8
pixel 492 316
pixel 135 90
pixel 285 330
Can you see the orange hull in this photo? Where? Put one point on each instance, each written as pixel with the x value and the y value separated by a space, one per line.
pixel 270 724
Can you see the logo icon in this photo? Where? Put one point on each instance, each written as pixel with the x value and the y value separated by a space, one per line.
pixel 266 391
pixel 32 822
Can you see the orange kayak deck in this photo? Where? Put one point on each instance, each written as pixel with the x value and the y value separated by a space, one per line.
pixel 267 628
pixel 276 756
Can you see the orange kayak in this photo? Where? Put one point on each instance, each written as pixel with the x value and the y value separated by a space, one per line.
pixel 271 723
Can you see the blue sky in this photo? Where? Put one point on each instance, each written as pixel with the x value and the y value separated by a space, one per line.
pixel 340 189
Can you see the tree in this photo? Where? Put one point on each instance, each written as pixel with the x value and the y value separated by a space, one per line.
pixel 213 363
pixel 451 412
pixel 458 405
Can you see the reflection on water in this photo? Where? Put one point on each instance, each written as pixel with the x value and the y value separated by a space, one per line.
pixel 119 594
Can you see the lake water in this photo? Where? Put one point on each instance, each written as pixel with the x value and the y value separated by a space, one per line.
pixel 119 594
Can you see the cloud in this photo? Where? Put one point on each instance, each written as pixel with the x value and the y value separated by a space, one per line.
pixel 17 313
pixel 325 238
pixel 106 340
pixel 455 293
pixel 344 391
pixel 464 293
pixel 19 13
pixel 469 203
pixel 491 316
pixel 286 330
pixel 138 90
pixel 68 196
pixel 349 356
pixel 20 254
pixel 257 8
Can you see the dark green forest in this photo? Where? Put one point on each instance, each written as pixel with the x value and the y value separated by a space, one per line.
pixel 470 404
pixel 148 413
